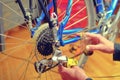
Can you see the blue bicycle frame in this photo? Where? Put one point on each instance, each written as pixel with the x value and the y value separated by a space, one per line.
pixel 99 9
pixel 110 10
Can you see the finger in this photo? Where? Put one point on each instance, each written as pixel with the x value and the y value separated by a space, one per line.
pixel 92 35
pixel 93 47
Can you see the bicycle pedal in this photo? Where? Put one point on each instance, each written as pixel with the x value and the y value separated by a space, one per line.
pixel 67 62
pixel 71 62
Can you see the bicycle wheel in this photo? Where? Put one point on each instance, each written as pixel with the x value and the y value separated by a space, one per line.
pixel 108 26
pixel 21 52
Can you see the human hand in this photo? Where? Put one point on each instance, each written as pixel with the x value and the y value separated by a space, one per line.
pixel 74 73
pixel 98 42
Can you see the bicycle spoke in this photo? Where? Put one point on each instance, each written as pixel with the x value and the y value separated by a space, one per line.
pixel 11 43
pixel 12 37
pixel 39 76
pixel 76 22
pixel 25 72
pixel 65 10
pixel 54 71
pixel 59 3
pixel 77 12
pixel 27 27
pixel 18 58
pixel 11 9
pixel 51 75
pixel 11 53
pixel 46 75
pixel 74 15
pixel 5 19
pixel 27 59
pixel 8 43
pixel 17 46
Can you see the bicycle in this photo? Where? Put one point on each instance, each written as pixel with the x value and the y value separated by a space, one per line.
pixel 47 37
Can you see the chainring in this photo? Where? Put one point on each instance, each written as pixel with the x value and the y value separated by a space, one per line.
pixel 44 40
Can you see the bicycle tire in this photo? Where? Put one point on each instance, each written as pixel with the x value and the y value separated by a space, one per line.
pixel 91 23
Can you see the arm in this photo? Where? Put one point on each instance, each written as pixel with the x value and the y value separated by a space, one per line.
pixel 98 42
